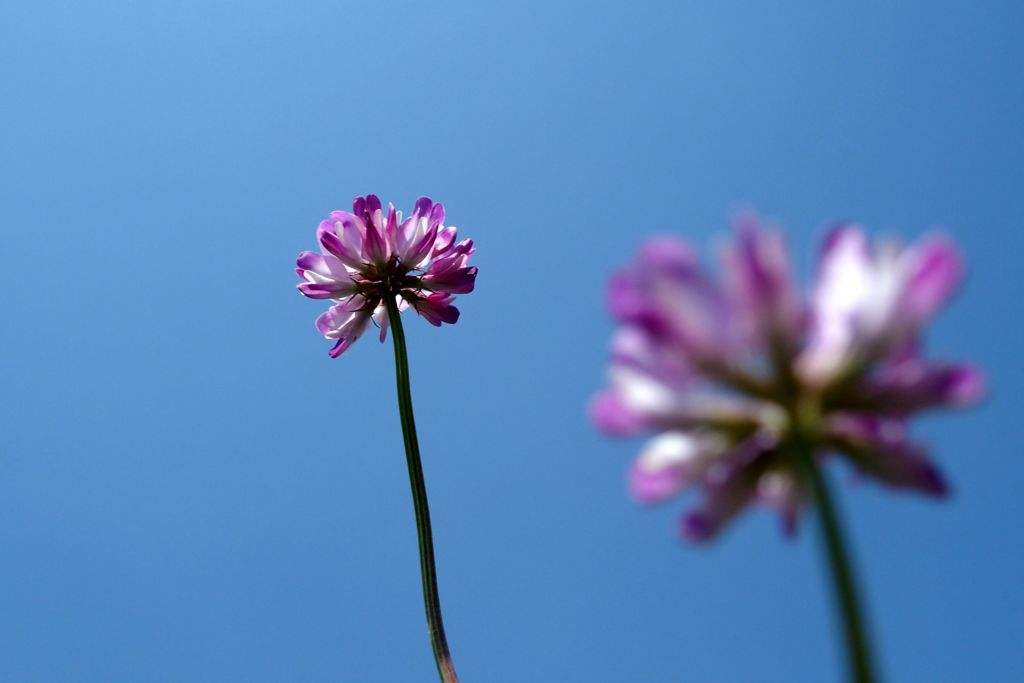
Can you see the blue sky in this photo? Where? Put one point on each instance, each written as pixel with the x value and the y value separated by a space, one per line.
pixel 191 490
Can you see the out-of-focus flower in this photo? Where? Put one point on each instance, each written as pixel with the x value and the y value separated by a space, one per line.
pixel 368 254
pixel 729 374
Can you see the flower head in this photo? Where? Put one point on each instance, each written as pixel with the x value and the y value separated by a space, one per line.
pixel 368 255
pixel 729 374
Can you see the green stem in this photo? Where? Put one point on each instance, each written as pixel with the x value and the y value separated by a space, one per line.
pixel 435 626
pixel 857 647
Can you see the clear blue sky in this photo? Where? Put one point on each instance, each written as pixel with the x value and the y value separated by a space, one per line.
pixel 191 490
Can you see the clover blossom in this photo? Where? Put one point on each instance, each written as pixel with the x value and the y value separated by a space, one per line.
pixel 368 255
pixel 737 376
pixel 375 266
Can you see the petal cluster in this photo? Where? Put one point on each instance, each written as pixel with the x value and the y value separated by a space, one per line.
pixel 370 254
pixel 719 368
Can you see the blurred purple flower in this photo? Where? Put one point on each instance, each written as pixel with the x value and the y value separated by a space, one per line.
pixel 367 255
pixel 724 372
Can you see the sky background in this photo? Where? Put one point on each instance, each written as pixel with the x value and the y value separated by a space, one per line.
pixel 191 490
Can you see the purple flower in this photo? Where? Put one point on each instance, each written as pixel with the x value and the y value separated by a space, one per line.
pixel 729 373
pixel 367 255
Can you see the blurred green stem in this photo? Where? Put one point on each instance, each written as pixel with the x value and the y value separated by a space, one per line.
pixel 858 649
pixel 431 600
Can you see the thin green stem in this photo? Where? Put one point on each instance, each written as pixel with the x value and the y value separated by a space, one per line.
pixel 431 599
pixel 857 647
